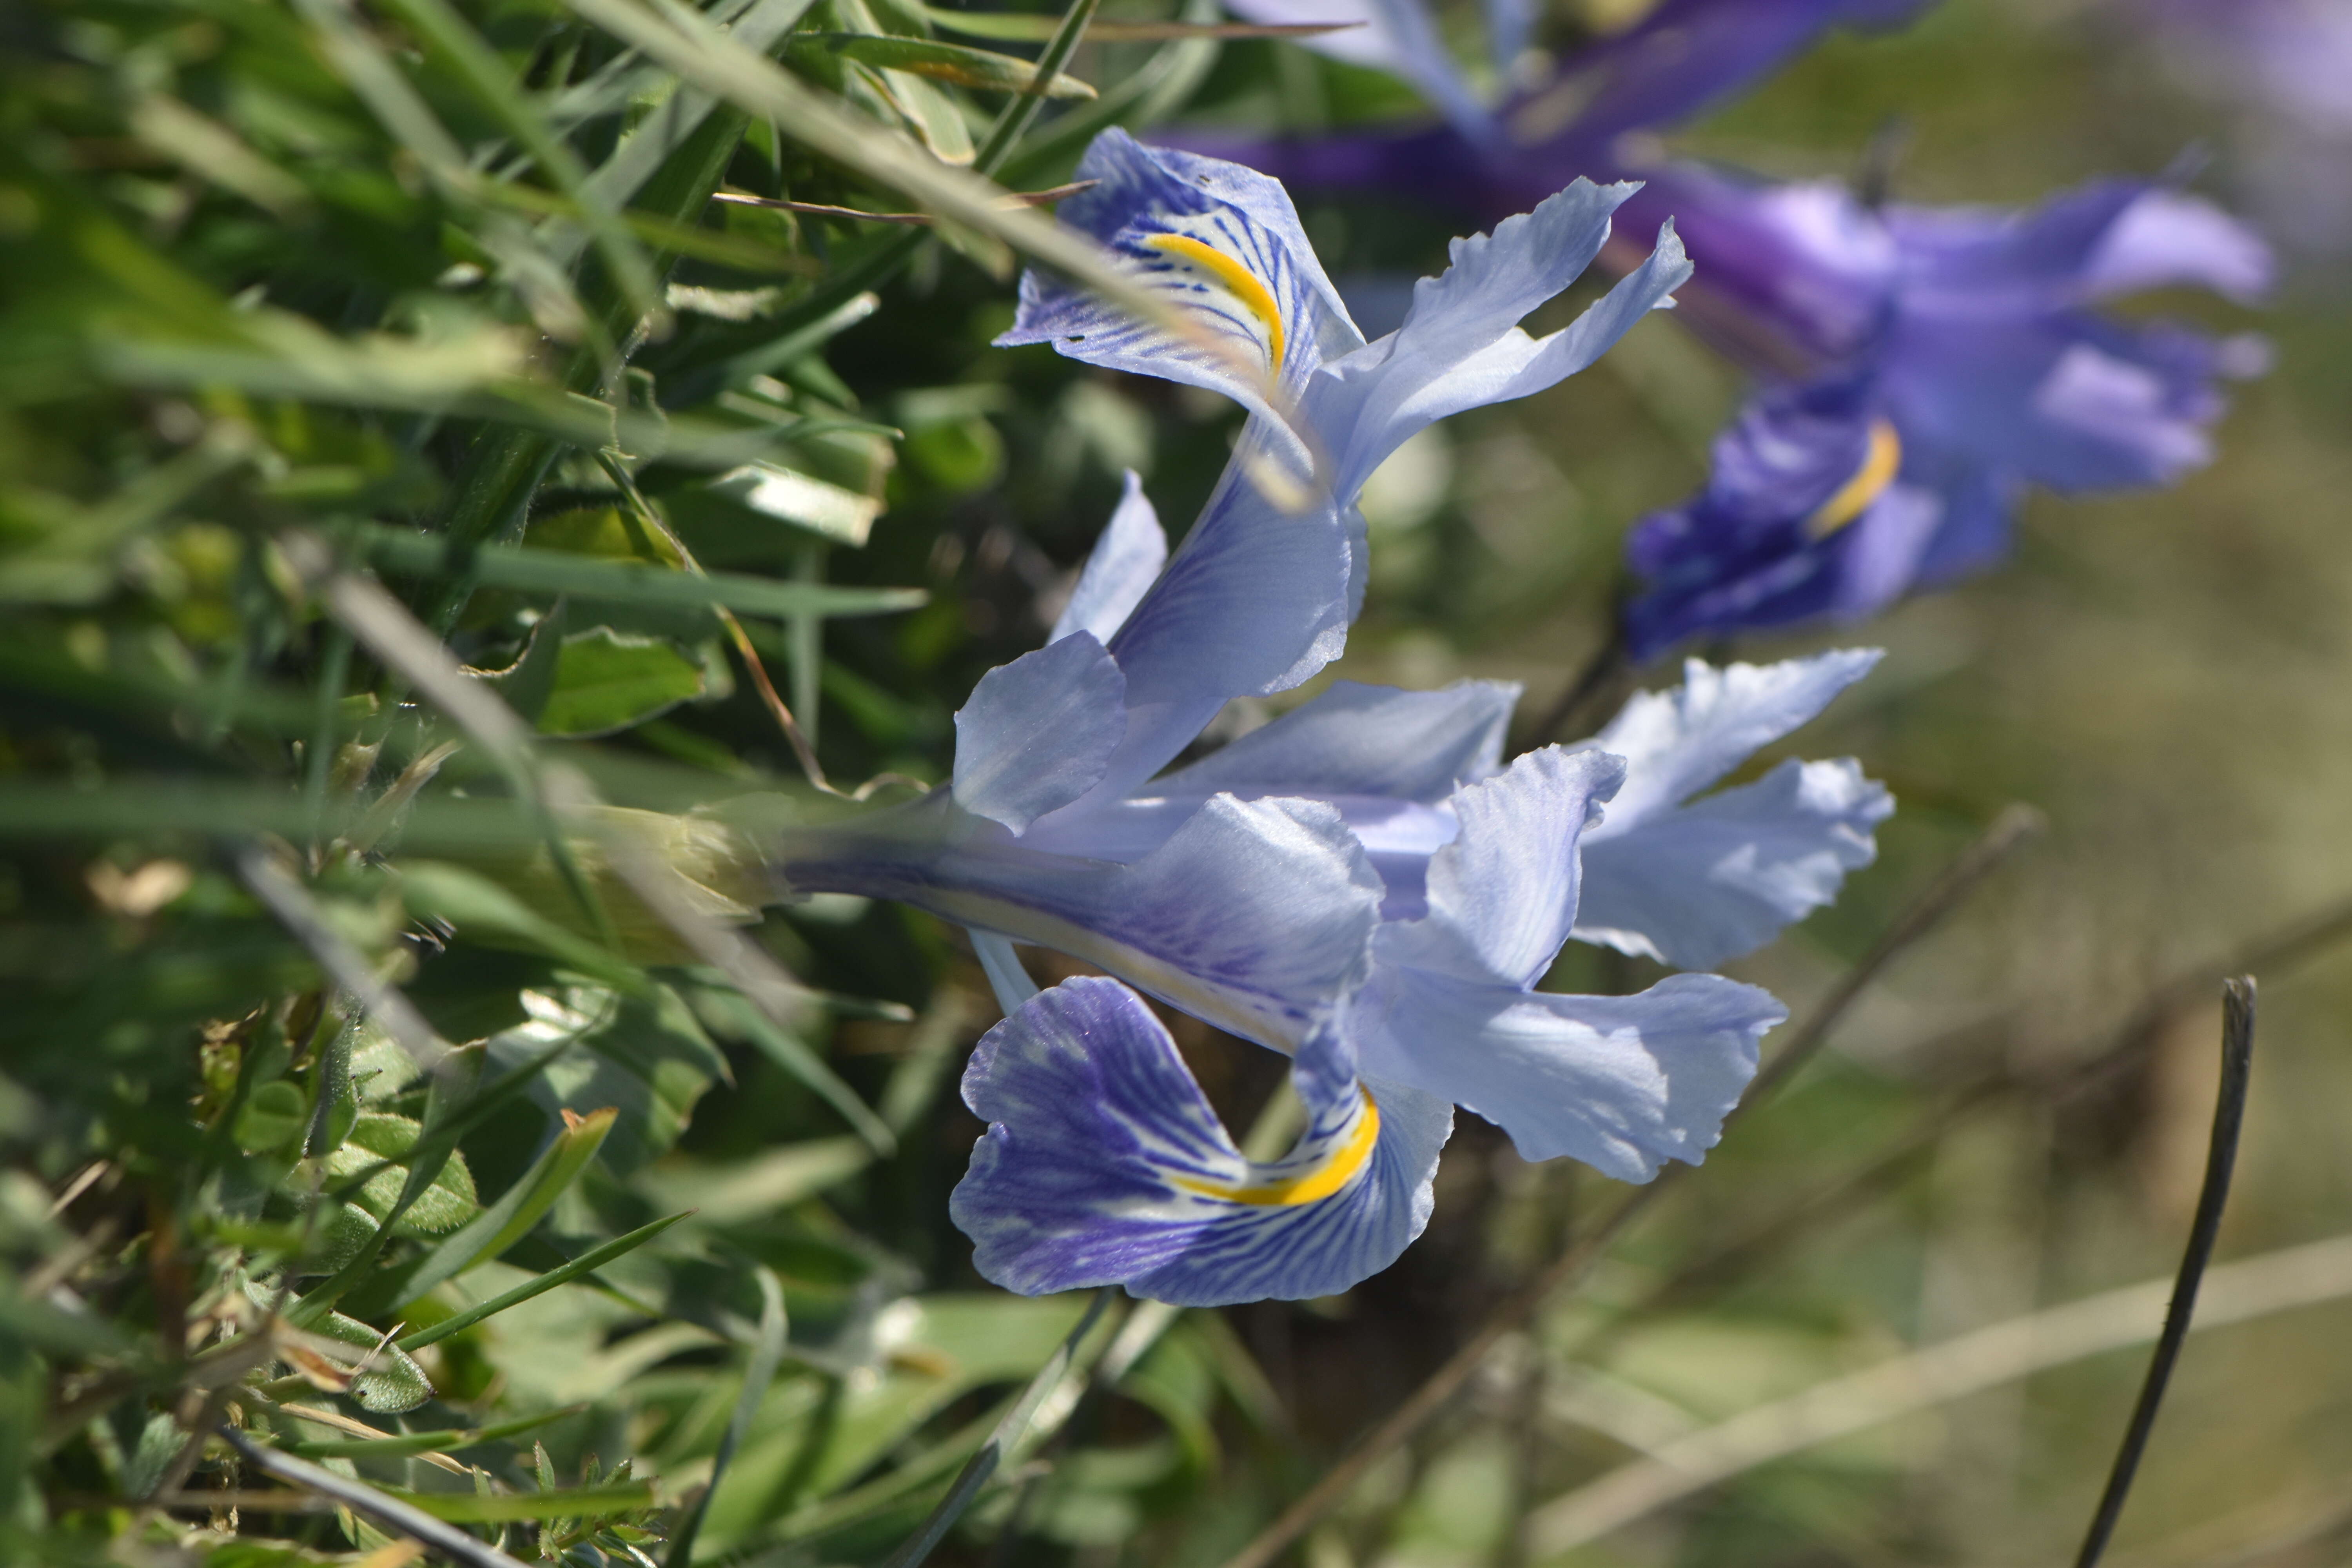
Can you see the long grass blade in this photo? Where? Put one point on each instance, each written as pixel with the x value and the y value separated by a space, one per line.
pixel 767 1354
pixel 494 87
pixel 555 572
pixel 1008 1434
pixel 586 1263
pixel 2213 1196
pixel 401 1516
pixel 402 1445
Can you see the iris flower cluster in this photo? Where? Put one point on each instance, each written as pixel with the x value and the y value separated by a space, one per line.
pixel 1363 885
pixel 1918 368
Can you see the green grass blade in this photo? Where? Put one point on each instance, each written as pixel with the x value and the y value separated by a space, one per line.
pixel 586 1263
pixel 407 1443
pixel 511 1218
pixel 808 1066
pixel 555 571
pixel 767 1353
pixel 459 1508
pixel 1015 119
pixel 958 63
pixel 709 59
pixel 486 76
pixel 1009 1432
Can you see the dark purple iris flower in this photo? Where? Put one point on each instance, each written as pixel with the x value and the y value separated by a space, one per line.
pixel 1919 366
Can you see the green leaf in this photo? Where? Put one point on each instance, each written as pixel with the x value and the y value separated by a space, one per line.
pixel 956 63
pixel 272 1118
pixel 749 1189
pixel 586 1263
pixel 383 1142
pixel 390 1383
pixel 606 680
pixel 529 680
pixel 522 1206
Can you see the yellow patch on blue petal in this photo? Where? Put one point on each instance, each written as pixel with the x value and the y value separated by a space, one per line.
pixel 1238 280
pixel 1334 1171
pixel 1879 461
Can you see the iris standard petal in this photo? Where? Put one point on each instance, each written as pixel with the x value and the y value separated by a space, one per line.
pixel 1357 739
pixel 1698 884
pixel 1219 243
pixel 1038 732
pixel 1501 895
pixel 2168 237
pixel 1623 1083
pixel 1460 347
pixel 1103 1163
pixel 1677 742
pixel 1120 568
pixel 1254 601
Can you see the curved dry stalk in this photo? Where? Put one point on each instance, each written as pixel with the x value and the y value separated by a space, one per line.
pixel 2221 1159
pixel 1968 1364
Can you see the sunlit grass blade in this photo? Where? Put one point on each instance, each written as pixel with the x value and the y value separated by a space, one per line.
pixel 1029 27
pixel 404 1443
pixel 659 137
pixel 524 1205
pixel 586 1263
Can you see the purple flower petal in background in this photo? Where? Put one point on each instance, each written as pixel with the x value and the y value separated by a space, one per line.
pixel 1922 367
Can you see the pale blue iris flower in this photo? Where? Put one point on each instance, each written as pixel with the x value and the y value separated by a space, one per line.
pixel 1103 1162
pixel 1301 887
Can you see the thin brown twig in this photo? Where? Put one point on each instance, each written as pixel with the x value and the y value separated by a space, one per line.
pixel 2010 829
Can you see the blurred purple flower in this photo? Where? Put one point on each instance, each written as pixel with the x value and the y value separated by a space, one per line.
pixel 2285 65
pixel 1922 366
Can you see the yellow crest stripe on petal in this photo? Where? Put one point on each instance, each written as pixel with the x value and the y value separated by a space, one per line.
pixel 1326 1177
pixel 1239 281
pixel 1879 463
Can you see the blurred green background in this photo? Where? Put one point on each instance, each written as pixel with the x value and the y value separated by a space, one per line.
pixel 2156 674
